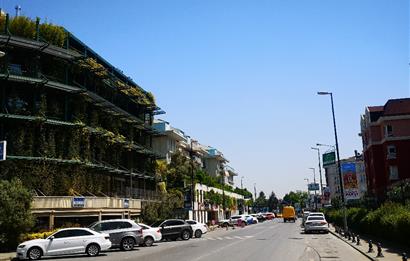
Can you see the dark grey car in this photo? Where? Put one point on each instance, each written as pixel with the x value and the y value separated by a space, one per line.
pixel 124 233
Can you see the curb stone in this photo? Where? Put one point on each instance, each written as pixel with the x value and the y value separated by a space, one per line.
pixel 361 251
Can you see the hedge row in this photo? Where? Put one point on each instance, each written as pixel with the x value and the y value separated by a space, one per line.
pixel 390 221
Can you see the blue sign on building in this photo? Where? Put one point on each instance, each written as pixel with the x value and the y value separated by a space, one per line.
pixel 126 203
pixel 3 150
pixel 78 202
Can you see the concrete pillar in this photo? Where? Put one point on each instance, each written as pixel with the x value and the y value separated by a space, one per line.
pixel 123 215
pixel 100 216
pixel 51 220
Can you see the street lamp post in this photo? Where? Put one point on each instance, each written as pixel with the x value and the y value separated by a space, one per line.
pixel 320 170
pixel 314 183
pixel 241 183
pixel 342 196
pixel 307 180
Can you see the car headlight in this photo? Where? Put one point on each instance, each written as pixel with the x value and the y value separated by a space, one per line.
pixel 21 246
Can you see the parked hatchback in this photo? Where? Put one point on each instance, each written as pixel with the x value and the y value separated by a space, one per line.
pixel 124 233
pixel 174 228
pixel 198 228
pixel 150 234
pixel 64 242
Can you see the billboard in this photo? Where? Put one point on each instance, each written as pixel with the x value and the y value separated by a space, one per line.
pixel 329 158
pixel 350 182
pixel 3 146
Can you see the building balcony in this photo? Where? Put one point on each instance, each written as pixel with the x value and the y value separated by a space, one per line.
pixel 69 203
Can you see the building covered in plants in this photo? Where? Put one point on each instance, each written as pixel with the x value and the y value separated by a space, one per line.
pixel 78 130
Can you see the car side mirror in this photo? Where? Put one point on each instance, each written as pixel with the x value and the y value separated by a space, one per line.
pixel 51 238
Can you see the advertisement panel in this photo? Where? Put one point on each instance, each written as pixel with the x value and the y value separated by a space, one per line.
pixel 78 202
pixel 350 183
pixel 329 158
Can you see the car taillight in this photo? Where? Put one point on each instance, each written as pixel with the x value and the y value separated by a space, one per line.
pixel 323 223
pixel 159 231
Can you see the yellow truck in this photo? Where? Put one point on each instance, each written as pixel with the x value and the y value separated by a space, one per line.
pixel 289 214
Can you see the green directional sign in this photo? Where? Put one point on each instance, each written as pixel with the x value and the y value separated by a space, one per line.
pixel 329 158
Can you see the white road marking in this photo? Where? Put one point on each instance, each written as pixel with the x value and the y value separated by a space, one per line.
pixel 228 237
pixel 219 238
pixel 238 237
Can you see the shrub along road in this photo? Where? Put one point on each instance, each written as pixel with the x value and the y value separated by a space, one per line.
pixel 271 240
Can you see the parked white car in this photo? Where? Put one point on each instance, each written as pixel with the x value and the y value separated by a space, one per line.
pixel 316 223
pixel 64 242
pixel 198 228
pixel 150 234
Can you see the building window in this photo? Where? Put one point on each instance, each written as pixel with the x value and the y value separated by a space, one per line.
pixel 391 152
pixel 388 131
pixel 394 173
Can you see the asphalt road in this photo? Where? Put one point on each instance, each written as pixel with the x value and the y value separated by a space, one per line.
pixel 271 240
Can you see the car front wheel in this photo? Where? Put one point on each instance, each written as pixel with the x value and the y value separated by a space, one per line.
pixel 34 253
pixel 185 235
pixel 92 250
pixel 127 244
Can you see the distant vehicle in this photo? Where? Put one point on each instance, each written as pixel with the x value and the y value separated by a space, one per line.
pixel 289 214
pixel 150 234
pixel 198 228
pixel 250 219
pixel 124 233
pixel 63 242
pixel 259 217
pixel 233 220
pixel 316 223
pixel 305 215
pixel 279 215
pixel 269 215
pixel 174 228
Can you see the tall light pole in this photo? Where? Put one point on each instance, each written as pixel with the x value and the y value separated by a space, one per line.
pixel 342 195
pixel 325 145
pixel 241 182
pixel 307 180
pixel 314 183
pixel 320 170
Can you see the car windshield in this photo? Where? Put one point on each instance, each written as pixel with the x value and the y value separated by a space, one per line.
pixel 157 223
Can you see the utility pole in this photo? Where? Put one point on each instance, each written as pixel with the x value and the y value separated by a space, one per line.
pixel 241 183
pixel 320 170
pixel 314 183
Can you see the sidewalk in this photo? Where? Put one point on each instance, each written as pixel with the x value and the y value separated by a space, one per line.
pixel 390 253
pixel 7 256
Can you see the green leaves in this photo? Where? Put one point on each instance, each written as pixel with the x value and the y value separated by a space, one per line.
pixel 15 215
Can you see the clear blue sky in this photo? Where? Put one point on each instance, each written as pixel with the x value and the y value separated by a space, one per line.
pixel 242 76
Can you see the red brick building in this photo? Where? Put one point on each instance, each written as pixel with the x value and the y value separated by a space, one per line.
pixel 385 132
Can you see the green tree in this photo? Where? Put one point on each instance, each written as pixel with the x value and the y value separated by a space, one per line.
pixel 261 201
pixel 15 214
pixel 273 201
pixel 296 197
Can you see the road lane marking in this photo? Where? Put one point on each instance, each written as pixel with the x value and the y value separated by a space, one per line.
pixel 228 237
pixel 219 238
pixel 224 247
pixel 238 237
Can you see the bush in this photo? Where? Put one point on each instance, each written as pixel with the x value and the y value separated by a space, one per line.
pixel 15 214
pixel 390 221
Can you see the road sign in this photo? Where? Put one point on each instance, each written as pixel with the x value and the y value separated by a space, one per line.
pixel 3 150
pixel 313 186
pixel 329 158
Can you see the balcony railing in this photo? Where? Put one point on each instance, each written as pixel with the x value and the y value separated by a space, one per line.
pixel 68 202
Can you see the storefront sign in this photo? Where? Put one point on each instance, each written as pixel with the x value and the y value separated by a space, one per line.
pixel 78 202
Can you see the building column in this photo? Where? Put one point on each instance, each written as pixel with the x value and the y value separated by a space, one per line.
pixel 100 216
pixel 51 220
